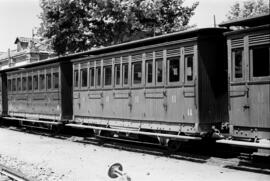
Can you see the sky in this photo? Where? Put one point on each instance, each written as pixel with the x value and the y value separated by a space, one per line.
pixel 19 17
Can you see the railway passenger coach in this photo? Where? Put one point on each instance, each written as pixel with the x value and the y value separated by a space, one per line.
pixel 39 93
pixel 173 84
pixel 249 78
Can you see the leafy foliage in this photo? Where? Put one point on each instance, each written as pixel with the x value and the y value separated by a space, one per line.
pixel 77 25
pixel 248 8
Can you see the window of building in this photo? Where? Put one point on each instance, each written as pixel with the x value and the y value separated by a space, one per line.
pixel 13 84
pixel 237 58
pixel 35 82
pixel 149 71
pixel 159 70
pixel 261 61
pixel 76 78
pixel 174 69
pixel 55 80
pixel 125 73
pixel 49 80
pixel 24 84
pixel 117 74
pixel 9 84
pixel 98 76
pixel 41 81
pixel 92 77
pixel 189 66
pixel 19 84
pixel 30 87
pixel 107 72
pixel 137 72
pixel 84 77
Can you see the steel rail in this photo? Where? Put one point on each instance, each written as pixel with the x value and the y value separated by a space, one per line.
pixel 12 174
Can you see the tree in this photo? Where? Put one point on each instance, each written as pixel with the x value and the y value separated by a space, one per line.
pixel 248 8
pixel 78 25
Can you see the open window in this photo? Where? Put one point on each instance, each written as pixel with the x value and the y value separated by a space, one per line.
pixel 159 71
pixel 19 84
pixel 9 85
pixel 84 77
pixel 107 74
pixel 35 82
pixel 48 80
pixel 14 84
pixel 98 76
pixel 55 80
pixel 149 72
pixel 24 84
pixel 260 61
pixel 41 81
pixel 174 69
pixel 92 76
pixel 30 83
pixel 137 73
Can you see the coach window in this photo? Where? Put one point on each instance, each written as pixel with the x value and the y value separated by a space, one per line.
pixel 84 77
pixel 125 73
pixel 260 58
pixel 76 78
pixel 149 71
pixel 13 84
pixel 98 76
pixel 35 82
pixel 41 81
pixel 9 84
pixel 55 80
pixel 117 74
pixel 24 83
pixel 137 73
pixel 30 87
pixel 189 68
pixel 48 80
pixel 92 76
pixel 174 69
pixel 107 72
pixel 159 71
pixel 237 62
pixel 19 84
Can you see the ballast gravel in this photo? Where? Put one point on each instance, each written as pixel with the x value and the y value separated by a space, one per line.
pixel 48 159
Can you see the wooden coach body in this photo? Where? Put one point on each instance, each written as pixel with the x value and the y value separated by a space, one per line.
pixel 171 83
pixel 40 91
pixel 249 78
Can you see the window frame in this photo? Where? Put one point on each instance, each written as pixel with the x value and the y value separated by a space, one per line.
pixel 9 84
pixel 48 72
pixel 233 52
pixel 125 85
pixel 26 83
pixel 251 67
pixel 92 77
pixel 146 72
pixel 53 82
pixel 19 84
pixel 41 74
pixel 168 60
pixel 104 76
pixel 82 69
pixel 186 66
pixel 120 75
pixel 99 67
pixel 156 72
pixel 28 76
pixel 33 82
pixel 133 74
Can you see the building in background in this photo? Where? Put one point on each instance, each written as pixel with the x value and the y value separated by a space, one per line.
pixel 28 50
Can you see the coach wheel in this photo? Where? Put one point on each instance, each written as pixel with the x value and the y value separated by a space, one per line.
pixel 174 146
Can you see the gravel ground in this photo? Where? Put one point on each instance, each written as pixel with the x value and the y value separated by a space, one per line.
pixel 43 158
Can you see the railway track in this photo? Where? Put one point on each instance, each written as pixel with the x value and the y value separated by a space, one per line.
pixel 9 174
pixel 208 153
